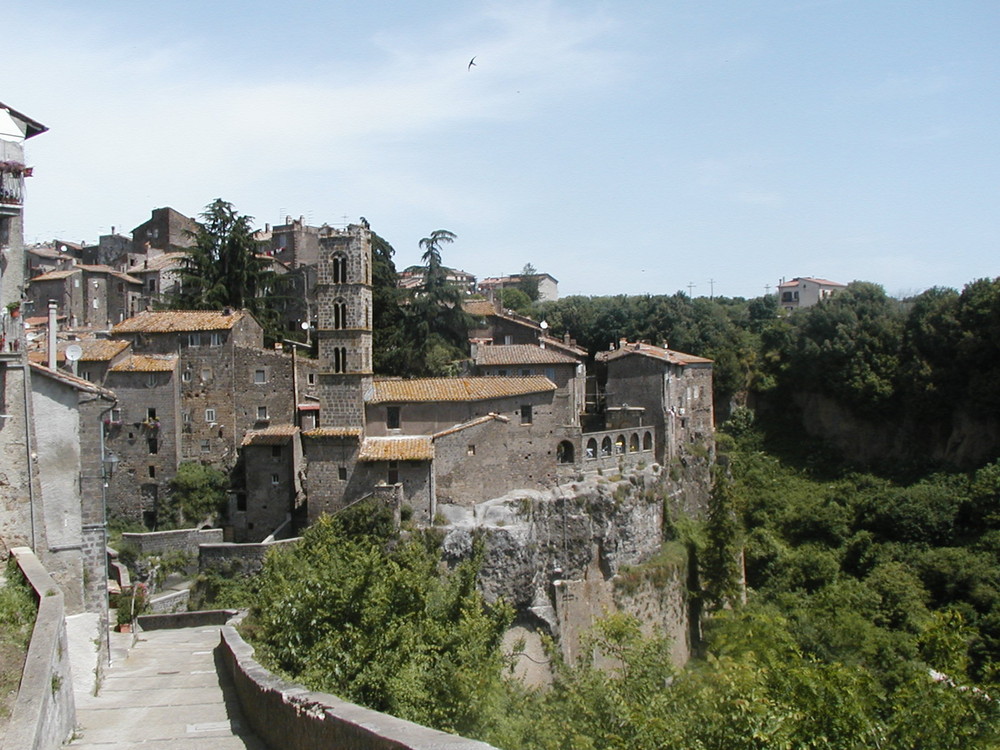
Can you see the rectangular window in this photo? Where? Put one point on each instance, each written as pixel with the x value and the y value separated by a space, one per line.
pixel 392 476
pixel 261 412
pixel 526 414
pixel 275 479
pixel 153 446
pixel 194 339
pixel 86 375
pixel 241 501
pixel 186 417
pixel 275 451
pixel 470 450
pixel 260 376
pixel 116 416
pixel 342 473
pixel 152 472
pixel 217 339
pixel 151 285
pixel 206 374
pixel 206 446
pixel 311 378
pixel 151 379
pixel 186 376
pixel 150 413
pixel 392 417
pixel 209 415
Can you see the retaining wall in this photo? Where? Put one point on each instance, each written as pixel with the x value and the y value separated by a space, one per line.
pixel 44 713
pixel 236 559
pixel 183 540
pixel 288 716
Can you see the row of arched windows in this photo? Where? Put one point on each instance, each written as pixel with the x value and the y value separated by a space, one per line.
pixel 338 265
pixel 340 359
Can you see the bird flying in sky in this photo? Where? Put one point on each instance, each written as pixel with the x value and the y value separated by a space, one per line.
pixel 472 62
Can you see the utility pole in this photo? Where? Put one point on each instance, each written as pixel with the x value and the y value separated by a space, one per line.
pixel 711 288
pixel 690 288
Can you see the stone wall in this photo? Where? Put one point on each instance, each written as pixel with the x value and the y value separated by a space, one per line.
pixel 236 559
pixel 181 540
pixel 288 716
pixel 45 713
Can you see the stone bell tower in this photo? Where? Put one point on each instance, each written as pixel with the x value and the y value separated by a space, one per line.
pixel 344 326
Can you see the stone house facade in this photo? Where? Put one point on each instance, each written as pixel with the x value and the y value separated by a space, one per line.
pixel 654 386
pixel 165 231
pixel 87 296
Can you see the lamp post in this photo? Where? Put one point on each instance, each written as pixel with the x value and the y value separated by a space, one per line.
pixel 109 462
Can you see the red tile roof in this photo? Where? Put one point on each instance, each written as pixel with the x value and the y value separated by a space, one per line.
pixel 520 354
pixel 276 434
pixel 178 321
pixel 655 352
pixel 456 389
pixel 419 448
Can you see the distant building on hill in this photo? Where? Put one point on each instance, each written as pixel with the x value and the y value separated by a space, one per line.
pixel 806 291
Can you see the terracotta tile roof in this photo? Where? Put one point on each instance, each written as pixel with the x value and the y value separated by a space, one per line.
pixel 472 423
pixel 146 363
pixel 456 389
pixel 520 354
pixel 569 348
pixel 98 350
pixel 334 432
pixel 94 350
pixel 55 275
pixel 178 321
pixel 479 307
pixel 159 263
pixel 276 434
pixel 655 352
pixel 419 448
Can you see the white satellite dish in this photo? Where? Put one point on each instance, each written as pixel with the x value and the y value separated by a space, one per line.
pixel 543 325
pixel 73 352
pixel 304 325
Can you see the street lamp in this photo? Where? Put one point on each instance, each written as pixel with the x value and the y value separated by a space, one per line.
pixel 110 463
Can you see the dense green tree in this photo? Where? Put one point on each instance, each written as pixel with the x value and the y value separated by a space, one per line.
pixel 529 282
pixel 198 493
pixel 374 620
pixel 225 268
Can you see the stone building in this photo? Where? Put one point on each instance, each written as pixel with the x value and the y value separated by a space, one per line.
pixel 165 231
pixel 655 386
pixel 87 296
pixel 160 277
pixel 20 495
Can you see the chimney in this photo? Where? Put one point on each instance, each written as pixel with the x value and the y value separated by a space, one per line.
pixel 51 335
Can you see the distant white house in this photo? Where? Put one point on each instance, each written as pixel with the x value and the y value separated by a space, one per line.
pixel 548 286
pixel 806 291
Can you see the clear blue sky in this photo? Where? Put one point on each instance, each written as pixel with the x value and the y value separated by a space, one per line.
pixel 623 147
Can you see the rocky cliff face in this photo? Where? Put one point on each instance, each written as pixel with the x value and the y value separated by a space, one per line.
pixel 556 555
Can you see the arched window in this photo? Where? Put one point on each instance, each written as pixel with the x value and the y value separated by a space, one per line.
pixel 620 444
pixel 633 443
pixel 339 315
pixel 647 442
pixel 340 359
pixel 606 446
pixel 592 448
pixel 564 452
pixel 339 268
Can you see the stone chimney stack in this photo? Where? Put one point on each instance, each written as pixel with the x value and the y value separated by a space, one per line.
pixel 50 339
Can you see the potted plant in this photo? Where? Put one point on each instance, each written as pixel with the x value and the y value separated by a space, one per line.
pixel 14 308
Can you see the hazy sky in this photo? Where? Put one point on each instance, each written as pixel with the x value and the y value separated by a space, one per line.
pixel 624 147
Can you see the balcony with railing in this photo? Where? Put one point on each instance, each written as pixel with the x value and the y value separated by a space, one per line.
pixel 11 335
pixel 12 173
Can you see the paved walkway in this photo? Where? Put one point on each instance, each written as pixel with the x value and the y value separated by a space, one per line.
pixel 165 691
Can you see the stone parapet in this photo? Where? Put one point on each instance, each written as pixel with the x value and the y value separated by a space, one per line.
pixel 288 716
pixel 45 712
